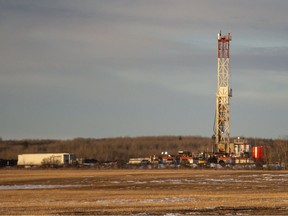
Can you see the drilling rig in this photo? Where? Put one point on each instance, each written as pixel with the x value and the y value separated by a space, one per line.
pixel 239 151
pixel 223 95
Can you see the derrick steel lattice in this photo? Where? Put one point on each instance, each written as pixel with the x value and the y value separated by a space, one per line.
pixel 222 114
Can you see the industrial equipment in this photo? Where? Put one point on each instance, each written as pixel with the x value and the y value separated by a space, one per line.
pixel 238 152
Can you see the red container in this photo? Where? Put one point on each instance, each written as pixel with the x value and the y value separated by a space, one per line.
pixel 258 152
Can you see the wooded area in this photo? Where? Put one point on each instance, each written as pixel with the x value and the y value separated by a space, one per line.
pixel 123 148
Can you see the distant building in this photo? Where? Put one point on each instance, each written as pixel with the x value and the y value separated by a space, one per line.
pixel 59 159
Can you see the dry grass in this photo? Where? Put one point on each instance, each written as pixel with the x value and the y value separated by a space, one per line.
pixel 107 192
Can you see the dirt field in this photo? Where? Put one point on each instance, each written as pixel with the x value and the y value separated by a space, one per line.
pixel 143 192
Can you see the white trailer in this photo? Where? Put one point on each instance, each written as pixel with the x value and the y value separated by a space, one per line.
pixel 137 161
pixel 44 159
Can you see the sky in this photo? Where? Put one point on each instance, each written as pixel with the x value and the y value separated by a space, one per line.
pixel 94 68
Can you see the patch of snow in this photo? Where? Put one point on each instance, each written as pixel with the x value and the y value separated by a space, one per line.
pixel 137 182
pixel 115 182
pixel 160 200
pixel 33 187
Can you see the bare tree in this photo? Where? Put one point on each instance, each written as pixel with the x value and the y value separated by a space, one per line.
pixel 283 152
pixel 52 161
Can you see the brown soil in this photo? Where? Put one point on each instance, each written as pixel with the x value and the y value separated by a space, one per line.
pixel 144 192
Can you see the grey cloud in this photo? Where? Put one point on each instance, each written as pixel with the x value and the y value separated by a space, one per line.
pixel 148 65
pixel 265 58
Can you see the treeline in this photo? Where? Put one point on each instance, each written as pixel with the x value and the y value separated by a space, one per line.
pixel 123 148
pixel 106 149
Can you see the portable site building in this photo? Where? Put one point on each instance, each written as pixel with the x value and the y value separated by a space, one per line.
pixel 44 159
